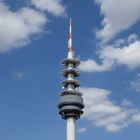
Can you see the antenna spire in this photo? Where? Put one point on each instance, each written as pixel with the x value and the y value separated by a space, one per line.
pixel 70 52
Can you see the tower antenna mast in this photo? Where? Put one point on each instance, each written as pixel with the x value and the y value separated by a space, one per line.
pixel 70 52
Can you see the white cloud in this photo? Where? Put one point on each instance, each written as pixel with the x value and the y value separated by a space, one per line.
pixel 19 75
pixel 119 15
pixel 16 28
pixel 136 83
pixel 113 128
pixel 82 130
pixel 127 55
pixel 53 6
pixel 126 103
pixel 136 118
pixel 92 66
pixel 32 19
pixel 103 112
pixel 132 38
pixel 122 52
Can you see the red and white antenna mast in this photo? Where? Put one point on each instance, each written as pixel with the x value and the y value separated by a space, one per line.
pixel 70 52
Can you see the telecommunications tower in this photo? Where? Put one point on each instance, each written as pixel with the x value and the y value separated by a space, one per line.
pixel 70 100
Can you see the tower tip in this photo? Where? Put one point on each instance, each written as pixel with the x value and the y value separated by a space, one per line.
pixel 70 21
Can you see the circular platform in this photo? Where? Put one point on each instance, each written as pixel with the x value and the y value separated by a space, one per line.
pixel 67 61
pixel 70 71
pixel 75 83
pixel 66 92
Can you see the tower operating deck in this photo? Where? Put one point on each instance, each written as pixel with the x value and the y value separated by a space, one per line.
pixel 68 92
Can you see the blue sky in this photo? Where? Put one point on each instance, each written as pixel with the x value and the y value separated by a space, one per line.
pixel 33 41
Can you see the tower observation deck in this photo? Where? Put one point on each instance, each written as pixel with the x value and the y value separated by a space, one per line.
pixel 70 100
